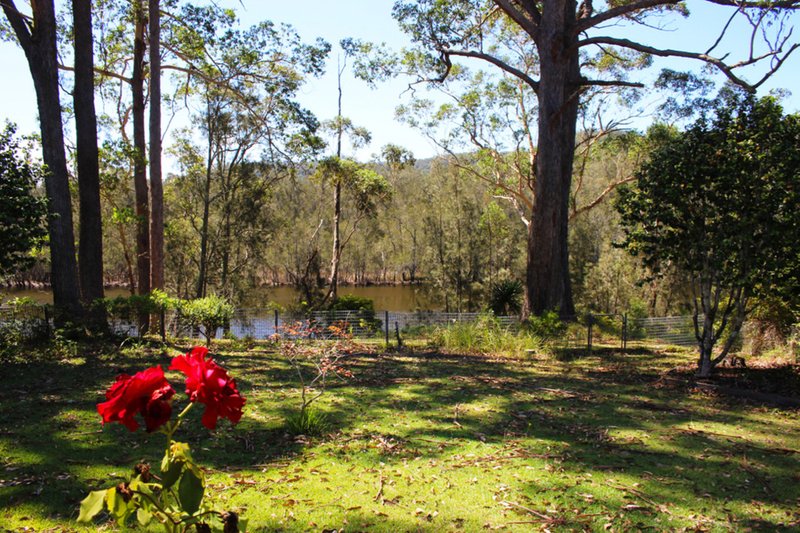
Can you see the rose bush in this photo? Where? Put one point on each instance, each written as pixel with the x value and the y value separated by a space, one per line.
pixel 176 497
pixel 209 384
pixel 147 393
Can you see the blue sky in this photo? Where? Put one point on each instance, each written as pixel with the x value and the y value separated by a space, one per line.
pixel 371 20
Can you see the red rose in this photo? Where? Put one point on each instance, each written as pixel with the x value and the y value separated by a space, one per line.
pixel 146 392
pixel 209 384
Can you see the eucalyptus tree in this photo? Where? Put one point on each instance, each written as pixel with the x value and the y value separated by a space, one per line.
pixel 36 35
pixel 344 173
pixel 156 181
pixel 90 243
pixel 574 47
pixel 367 191
pixel 245 83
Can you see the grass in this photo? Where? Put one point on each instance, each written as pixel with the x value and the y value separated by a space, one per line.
pixel 486 336
pixel 423 441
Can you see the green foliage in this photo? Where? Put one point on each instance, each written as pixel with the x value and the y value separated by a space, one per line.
pixel 22 324
pixel 486 335
pixel 351 302
pixel 506 297
pixel 547 327
pixel 131 309
pixel 310 422
pixel 719 203
pixel 145 496
pixel 209 313
pixel 722 197
pixel 367 188
pixel 22 213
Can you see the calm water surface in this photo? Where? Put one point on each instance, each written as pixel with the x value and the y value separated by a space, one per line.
pixel 386 298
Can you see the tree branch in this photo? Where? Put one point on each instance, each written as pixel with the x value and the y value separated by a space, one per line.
pixel 498 63
pixel 19 22
pixel 97 70
pixel 612 83
pixel 530 25
pixel 619 11
pixel 723 67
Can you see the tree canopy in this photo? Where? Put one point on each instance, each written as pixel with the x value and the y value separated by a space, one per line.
pixel 22 212
pixel 719 202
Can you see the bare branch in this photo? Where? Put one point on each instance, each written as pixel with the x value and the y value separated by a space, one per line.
pixel 726 69
pixel 97 70
pixel 498 63
pixel 530 25
pixel 612 83
pixel 619 11
pixel 600 197
pixel 20 23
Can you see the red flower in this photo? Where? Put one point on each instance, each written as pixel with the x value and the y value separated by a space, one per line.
pixel 209 384
pixel 146 392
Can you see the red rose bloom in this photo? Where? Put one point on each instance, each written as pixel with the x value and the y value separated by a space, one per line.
pixel 209 384
pixel 146 392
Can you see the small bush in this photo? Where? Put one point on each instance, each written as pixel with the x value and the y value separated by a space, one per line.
pixel 209 314
pixel 365 309
pixel 23 323
pixel 546 327
pixel 351 302
pixel 131 310
pixel 506 297
pixel 309 422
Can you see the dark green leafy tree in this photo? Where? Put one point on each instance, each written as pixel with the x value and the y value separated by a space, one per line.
pixel 720 203
pixel 22 213
pixel 36 35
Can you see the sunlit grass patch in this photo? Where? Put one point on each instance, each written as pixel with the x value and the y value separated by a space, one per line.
pixel 420 440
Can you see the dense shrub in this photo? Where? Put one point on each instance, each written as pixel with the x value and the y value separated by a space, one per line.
pixel 208 314
pixel 546 327
pixel 486 335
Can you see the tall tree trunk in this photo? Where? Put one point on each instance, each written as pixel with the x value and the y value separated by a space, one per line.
pixel 38 41
pixel 156 188
pixel 204 230
pixel 90 255
pixel 337 244
pixel 547 279
pixel 140 163
pixel 336 255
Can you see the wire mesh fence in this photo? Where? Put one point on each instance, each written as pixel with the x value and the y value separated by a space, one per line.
pixel 23 323
pixel 677 330
pixel 261 324
pixel 587 331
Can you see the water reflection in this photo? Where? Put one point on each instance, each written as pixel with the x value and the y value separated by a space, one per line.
pixel 386 298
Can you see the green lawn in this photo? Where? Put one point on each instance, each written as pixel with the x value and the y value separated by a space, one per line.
pixel 423 441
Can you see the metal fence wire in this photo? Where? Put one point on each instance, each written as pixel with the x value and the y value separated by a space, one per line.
pixel 678 330
pixel 585 331
pixel 260 324
pixel 23 323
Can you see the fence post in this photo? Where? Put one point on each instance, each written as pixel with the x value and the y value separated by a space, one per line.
pixel 46 321
pixel 386 327
pixel 276 321
pixel 589 335
pixel 624 331
pixel 397 332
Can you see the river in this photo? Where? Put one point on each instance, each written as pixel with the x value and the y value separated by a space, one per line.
pixel 398 298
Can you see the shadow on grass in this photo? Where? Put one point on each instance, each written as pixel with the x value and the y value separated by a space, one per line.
pixel 602 415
